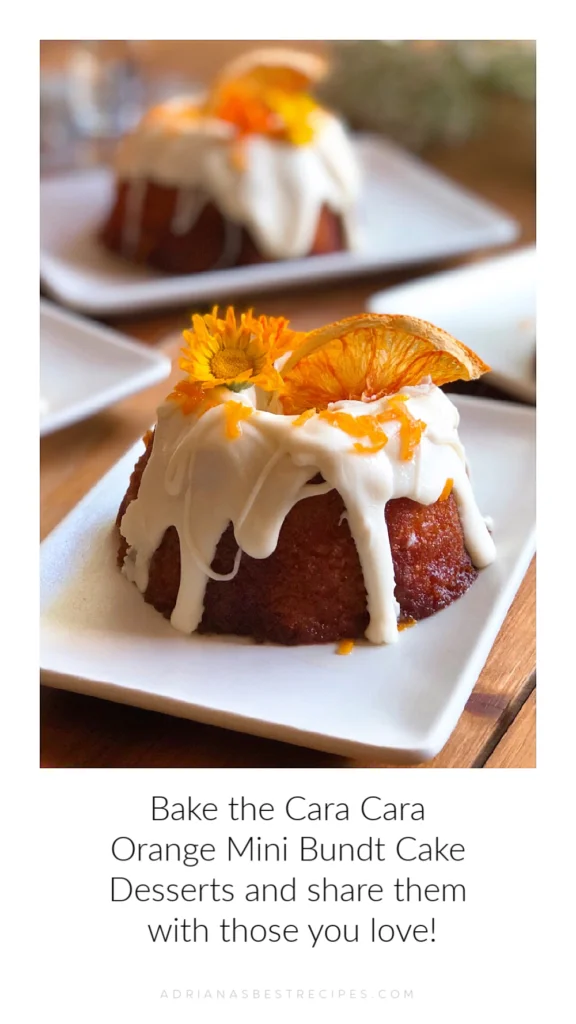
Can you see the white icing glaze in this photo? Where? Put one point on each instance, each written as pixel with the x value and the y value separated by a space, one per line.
pixel 189 205
pixel 199 480
pixel 277 193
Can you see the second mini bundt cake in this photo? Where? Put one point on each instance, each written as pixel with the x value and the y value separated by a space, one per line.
pixel 257 171
pixel 255 512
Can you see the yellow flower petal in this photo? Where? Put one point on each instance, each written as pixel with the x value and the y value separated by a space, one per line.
pixel 235 350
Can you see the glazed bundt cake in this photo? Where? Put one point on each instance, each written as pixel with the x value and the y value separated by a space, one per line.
pixel 306 488
pixel 256 171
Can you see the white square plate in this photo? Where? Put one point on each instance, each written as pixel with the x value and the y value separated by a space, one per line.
pixel 399 702
pixel 409 213
pixel 85 367
pixel 490 306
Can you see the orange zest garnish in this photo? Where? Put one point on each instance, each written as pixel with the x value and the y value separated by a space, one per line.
pixel 411 429
pixel 189 394
pixel 345 647
pixel 358 426
pixel 354 426
pixel 303 417
pixel 362 449
pixel 370 427
pixel 236 412
pixel 369 356
pixel 447 489
pixel 406 624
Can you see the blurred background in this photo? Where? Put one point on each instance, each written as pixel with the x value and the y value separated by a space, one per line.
pixel 468 107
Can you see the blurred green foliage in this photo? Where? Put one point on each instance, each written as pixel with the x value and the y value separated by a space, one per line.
pixel 419 92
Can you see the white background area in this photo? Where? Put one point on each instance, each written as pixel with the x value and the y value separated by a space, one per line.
pixel 100 963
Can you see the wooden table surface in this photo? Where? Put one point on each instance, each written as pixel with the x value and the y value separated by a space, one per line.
pixel 497 729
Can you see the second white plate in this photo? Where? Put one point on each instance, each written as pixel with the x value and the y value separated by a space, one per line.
pixel 409 213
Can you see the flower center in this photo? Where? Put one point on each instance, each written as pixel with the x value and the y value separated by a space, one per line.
pixel 230 362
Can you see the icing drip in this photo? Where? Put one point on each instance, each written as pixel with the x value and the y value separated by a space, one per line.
pixel 199 480
pixel 232 245
pixel 189 205
pixel 276 194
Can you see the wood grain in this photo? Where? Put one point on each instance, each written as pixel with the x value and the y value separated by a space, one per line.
pixel 517 748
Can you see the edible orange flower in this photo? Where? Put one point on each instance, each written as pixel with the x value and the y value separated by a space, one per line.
pixel 235 352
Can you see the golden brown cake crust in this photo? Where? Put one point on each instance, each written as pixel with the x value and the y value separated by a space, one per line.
pixel 311 589
pixel 200 248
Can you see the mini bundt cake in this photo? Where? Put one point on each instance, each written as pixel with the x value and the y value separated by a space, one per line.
pixel 256 171
pixel 286 494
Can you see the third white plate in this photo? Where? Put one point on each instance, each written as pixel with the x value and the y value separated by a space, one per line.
pixel 85 367
pixel 490 306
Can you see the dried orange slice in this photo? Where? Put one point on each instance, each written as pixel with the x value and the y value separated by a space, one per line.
pixel 371 355
pixel 276 68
